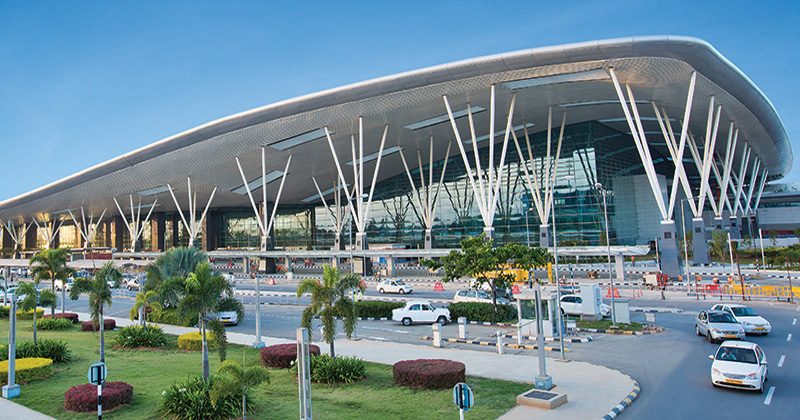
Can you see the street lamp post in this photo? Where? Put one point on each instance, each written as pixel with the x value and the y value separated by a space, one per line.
pixel 527 229
pixel 599 186
pixel 558 279
pixel 686 251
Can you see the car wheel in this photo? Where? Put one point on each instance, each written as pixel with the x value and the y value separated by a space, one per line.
pixel 129 288
pixel 402 291
pixel 406 321
pixel 697 330
pixel 710 340
pixel 381 291
pixel 442 320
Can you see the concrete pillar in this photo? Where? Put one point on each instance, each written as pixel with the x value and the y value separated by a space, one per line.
pixel 437 335
pixel 57 239
pixel 668 247
pixel 361 265
pixel 158 226
pixel 8 243
pixel 544 236
pixel 78 237
pixel 462 328
pixel 210 230
pixel 176 228
pixel 117 229
pixel 699 242
pixel 619 267
pixel 736 233
pixel 338 243
pixel 430 241
pixel 718 223
pixel 390 266
pixel 489 232
pixel 30 237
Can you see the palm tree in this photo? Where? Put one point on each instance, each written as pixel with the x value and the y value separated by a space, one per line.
pixel 176 263
pixel 330 299
pixel 145 301
pixel 51 264
pixel 202 294
pixel 234 378
pixel 34 298
pixel 99 296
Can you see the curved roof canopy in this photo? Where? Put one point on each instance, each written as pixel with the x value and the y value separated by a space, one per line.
pixel 571 76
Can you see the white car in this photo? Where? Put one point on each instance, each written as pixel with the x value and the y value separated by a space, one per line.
pixel 472 295
pixel 10 291
pixel 739 364
pixel 133 284
pixel 420 311
pixel 573 305
pixel 60 284
pixel 748 318
pixel 717 325
pixel 393 286
pixel 228 317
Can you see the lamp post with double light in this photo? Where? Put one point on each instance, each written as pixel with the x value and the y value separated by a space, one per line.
pixel 604 193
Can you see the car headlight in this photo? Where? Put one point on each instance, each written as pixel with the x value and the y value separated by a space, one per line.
pixel 715 370
pixel 747 324
pixel 752 376
pixel 715 330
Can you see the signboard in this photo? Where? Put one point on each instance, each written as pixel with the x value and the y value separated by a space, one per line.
pixel 97 373
pixel 463 396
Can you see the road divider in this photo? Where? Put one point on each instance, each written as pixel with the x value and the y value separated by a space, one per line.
pixel 494 344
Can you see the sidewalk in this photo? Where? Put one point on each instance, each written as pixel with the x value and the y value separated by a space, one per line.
pixel 12 410
pixel 592 390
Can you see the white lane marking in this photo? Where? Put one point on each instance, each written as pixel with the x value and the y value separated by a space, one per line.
pixel 375 338
pixel 794 321
pixel 780 362
pixel 384 329
pixel 769 395
pixel 789 337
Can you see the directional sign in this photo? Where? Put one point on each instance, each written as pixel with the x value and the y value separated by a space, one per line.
pixel 463 396
pixel 97 373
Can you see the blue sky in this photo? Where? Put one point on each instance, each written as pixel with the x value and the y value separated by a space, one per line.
pixel 84 82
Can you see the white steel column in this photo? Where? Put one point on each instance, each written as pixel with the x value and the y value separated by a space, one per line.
pixel 86 230
pixel 733 137
pixel 735 229
pixel 337 216
pixel 17 233
pixel 135 225
pixel 49 229
pixel 486 198
pixel 192 226
pixel 265 220
pixel 426 198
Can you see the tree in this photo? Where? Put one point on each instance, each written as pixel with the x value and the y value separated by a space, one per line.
pixel 168 273
pixel 233 378
pixel 773 236
pixel 796 232
pixel 202 294
pixel 99 296
pixel 34 298
pixel 718 244
pixel 478 258
pixel 329 299
pixel 51 264
pixel 145 301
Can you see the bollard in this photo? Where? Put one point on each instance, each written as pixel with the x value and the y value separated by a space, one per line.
pixel 499 342
pixel 437 336
pixel 462 328
pixel 519 336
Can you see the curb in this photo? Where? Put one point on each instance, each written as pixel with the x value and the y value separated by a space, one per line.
pixel 625 402
pixel 553 339
pixel 493 324
pixel 361 318
pixel 658 310
pixel 494 344
pixel 615 332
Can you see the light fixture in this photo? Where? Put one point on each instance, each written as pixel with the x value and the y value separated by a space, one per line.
pixel 316 197
pixel 299 139
pixel 581 76
pixel 443 118
pixel 386 152
pixel 500 133
pixel 153 191
pixel 256 183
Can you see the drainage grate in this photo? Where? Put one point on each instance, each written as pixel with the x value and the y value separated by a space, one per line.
pixel 540 395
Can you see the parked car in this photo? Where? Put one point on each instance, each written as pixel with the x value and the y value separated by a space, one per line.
pixel 394 286
pixel 717 325
pixel 747 317
pixel 60 284
pixel 420 311
pixel 133 284
pixel 739 364
pixel 10 291
pixel 472 295
pixel 573 305
pixel 228 317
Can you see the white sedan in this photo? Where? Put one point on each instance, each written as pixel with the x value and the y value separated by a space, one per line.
pixel 472 295
pixel 420 311
pixel 59 284
pixel 393 286
pixel 739 364
pixel 573 305
pixel 748 318
pixel 228 317
pixel 11 290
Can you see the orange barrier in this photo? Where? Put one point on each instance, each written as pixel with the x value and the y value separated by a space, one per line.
pixel 616 293
pixel 438 287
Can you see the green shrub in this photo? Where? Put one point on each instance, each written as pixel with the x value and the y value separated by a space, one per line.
pixel 376 309
pixel 194 341
pixel 4 312
pixel 327 370
pixel 29 314
pixel 26 369
pixel 54 324
pixel 191 399
pixel 171 316
pixel 133 336
pixel 55 350
pixel 482 312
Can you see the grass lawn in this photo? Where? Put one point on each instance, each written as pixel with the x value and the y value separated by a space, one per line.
pixel 606 324
pixel 151 371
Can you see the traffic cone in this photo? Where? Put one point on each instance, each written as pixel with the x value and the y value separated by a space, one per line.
pixel 271 282
pixel 616 293
pixel 438 287
pixel 515 289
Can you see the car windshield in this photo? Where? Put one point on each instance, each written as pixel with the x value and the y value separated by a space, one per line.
pixel 399 283
pixel 721 318
pixel 743 311
pixel 734 354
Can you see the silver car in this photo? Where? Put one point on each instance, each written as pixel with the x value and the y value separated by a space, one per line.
pixel 718 326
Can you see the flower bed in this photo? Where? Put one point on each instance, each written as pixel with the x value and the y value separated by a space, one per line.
pixel 428 373
pixel 281 356
pixel 134 336
pixel 108 325
pixel 27 369
pixel 67 315
pixel 29 314
pixel 194 341
pixel 83 398
pixel 55 350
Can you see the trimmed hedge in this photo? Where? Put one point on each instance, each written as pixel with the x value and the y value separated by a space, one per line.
pixel 171 316
pixel 327 370
pixel 192 399
pixel 108 325
pixel 55 350
pixel 54 324
pixel 428 373
pixel 376 309
pixel 83 398
pixel 67 315
pixel 134 336
pixel 282 356
pixel 29 314
pixel 482 312
pixel 4 310
pixel 194 341
pixel 27 369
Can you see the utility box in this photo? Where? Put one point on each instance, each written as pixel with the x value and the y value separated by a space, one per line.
pixel 622 311
pixel 526 305
pixel 591 299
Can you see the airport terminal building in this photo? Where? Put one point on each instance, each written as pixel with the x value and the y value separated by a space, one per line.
pixel 660 134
